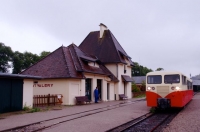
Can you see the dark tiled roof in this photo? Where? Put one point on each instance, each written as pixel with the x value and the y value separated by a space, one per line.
pixel 127 78
pixel 18 76
pixel 67 62
pixel 196 82
pixel 107 48
pixel 197 77
pixel 139 79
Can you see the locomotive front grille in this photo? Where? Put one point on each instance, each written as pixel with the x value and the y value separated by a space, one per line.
pixel 163 90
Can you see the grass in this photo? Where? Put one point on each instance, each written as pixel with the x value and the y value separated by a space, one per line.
pixel 140 96
pixel 153 110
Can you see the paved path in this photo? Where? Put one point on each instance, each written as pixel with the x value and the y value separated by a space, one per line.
pixel 188 120
pixel 97 122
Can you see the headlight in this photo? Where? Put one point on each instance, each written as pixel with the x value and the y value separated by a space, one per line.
pixel 172 88
pixel 177 88
pixel 153 88
pixel 149 88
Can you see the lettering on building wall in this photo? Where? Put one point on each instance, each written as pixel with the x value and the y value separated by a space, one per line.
pixel 42 85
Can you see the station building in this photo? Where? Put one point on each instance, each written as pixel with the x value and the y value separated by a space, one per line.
pixel 196 83
pixel 76 71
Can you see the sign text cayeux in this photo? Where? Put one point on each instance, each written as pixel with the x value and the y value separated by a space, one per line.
pixel 42 85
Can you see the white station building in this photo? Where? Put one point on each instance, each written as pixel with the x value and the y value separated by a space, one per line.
pixel 99 61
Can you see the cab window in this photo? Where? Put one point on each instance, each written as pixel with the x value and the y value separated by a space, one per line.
pixel 154 79
pixel 174 78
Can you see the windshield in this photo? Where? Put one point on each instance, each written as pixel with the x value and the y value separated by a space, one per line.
pixel 175 78
pixel 154 79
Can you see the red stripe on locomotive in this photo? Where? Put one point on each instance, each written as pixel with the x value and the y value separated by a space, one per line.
pixel 177 98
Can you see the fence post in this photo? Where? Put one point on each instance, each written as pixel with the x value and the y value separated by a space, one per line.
pixel 48 99
pixel 54 99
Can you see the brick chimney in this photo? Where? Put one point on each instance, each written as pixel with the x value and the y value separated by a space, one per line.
pixel 102 28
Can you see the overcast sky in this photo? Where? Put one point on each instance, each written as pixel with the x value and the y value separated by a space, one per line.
pixel 155 33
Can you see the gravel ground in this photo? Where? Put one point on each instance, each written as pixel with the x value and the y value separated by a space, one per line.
pixel 188 120
pixel 97 122
pixel 103 121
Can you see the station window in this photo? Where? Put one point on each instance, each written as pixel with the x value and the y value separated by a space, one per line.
pixel 124 68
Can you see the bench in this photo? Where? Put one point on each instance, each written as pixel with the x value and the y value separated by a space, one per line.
pixel 122 97
pixel 82 99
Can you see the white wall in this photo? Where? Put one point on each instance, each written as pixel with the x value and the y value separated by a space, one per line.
pixel 112 68
pixel 59 86
pixel 118 70
pixel 28 93
pixel 111 91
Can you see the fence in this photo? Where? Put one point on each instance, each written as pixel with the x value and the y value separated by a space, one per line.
pixel 47 100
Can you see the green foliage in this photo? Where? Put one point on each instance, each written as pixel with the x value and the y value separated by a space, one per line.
pixel 159 69
pixel 139 70
pixel 141 96
pixel 22 61
pixel 34 110
pixel 143 88
pixel 6 54
pixel 153 110
pixel 30 110
pixel 44 54
pixel 26 108
pixel 135 88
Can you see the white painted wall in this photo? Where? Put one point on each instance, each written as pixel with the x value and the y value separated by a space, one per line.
pixel 74 90
pixel 112 68
pixel 28 93
pixel 118 70
pixel 102 28
pixel 111 91
pixel 59 86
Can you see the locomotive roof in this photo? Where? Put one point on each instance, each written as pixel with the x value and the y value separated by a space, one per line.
pixel 166 72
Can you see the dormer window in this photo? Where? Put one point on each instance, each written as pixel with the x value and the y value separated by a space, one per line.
pixel 124 68
pixel 94 64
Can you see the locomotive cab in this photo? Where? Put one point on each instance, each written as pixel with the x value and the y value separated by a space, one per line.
pixel 168 89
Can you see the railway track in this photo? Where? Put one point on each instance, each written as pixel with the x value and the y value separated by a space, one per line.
pixel 146 123
pixel 47 124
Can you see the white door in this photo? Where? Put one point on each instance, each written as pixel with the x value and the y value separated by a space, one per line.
pixel 74 91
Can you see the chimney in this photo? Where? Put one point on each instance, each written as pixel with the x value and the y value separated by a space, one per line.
pixel 102 28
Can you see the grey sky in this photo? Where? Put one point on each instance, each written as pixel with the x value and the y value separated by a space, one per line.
pixel 155 33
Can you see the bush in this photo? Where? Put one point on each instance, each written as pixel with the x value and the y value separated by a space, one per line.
pixel 153 110
pixel 26 108
pixel 135 88
pixel 34 110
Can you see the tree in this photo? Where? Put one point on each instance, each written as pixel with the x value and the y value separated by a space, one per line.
pixel 22 61
pixel 18 60
pixel 139 70
pixel 6 54
pixel 159 69
pixel 44 54
pixel 135 88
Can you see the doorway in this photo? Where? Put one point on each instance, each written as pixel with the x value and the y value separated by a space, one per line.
pixel 108 91
pixel 99 81
pixel 88 88
pixel 124 88
pixel 11 95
